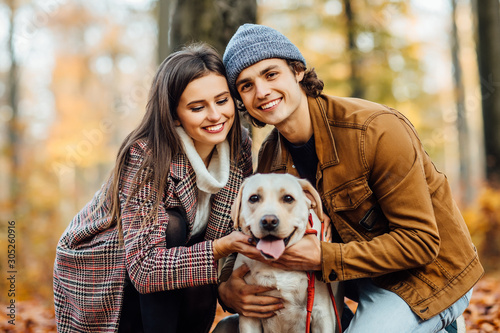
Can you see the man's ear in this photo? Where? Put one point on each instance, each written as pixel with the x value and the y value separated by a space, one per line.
pixel 300 76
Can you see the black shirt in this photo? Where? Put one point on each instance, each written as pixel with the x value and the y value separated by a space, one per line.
pixel 306 161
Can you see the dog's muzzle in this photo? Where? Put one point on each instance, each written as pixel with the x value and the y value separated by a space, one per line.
pixel 269 222
pixel 272 247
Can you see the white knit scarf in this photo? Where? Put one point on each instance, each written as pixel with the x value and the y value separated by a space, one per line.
pixel 209 181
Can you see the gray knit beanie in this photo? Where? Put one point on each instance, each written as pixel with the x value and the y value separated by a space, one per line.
pixel 252 43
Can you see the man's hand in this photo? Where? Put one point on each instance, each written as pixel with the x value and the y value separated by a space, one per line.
pixel 243 298
pixel 304 255
pixel 327 226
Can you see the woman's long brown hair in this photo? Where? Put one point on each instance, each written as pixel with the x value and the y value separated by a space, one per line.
pixel 158 128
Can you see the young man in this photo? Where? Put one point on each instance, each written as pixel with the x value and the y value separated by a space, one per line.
pixel 400 242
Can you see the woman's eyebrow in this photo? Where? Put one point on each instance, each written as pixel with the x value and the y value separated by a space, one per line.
pixel 202 100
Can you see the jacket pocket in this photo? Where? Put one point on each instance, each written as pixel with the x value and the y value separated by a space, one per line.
pixel 354 206
pixel 350 195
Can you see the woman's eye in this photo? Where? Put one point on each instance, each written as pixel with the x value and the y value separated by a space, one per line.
pixel 222 101
pixel 197 108
pixel 288 199
pixel 254 198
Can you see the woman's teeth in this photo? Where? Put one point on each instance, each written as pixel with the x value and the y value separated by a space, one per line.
pixel 214 128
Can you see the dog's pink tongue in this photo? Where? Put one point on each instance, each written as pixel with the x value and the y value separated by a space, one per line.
pixel 271 247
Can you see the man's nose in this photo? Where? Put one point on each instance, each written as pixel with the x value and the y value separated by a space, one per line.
pixel 262 89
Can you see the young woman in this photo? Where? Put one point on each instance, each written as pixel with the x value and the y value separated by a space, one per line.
pixel 142 255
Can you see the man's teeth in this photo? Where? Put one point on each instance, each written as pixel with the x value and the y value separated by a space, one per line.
pixel 214 128
pixel 270 104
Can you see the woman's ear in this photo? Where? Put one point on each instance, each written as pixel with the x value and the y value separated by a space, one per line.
pixel 177 123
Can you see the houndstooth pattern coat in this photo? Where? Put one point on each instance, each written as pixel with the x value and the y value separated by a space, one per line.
pixel 91 263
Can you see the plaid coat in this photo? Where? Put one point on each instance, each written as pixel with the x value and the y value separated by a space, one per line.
pixel 90 265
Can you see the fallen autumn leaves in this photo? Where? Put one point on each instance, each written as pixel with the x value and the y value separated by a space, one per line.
pixel 482 315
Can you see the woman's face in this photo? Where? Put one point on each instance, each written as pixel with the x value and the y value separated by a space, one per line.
pixel 206 111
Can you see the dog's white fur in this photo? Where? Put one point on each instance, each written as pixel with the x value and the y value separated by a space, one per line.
pixel 290 200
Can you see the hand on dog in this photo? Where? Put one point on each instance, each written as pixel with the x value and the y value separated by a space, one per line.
pixel 305 255
pixel 234 242
pixel 244 298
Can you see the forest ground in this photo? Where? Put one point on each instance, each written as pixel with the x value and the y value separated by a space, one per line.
pixel 482 315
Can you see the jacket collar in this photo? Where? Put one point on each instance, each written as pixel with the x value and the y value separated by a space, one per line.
pixel 323 136
pixel 180 166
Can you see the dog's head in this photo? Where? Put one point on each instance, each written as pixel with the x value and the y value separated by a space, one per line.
pixel 274 210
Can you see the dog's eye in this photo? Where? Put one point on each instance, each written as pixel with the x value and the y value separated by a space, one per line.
pixel 288 198
pixel 254 198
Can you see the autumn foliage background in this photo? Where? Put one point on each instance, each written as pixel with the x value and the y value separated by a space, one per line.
pixel 75 77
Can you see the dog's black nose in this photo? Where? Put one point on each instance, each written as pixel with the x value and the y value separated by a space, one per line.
pixel 269 222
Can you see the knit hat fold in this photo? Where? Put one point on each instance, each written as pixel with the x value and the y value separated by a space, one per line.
pixel 252 43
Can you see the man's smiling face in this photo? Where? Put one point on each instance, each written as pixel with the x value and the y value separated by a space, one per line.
pixel 271 91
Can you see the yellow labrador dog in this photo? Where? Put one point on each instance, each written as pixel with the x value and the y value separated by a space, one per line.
pixel 274 210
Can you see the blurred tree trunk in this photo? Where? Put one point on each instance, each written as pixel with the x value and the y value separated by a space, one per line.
pixel 13 128
pixel 211 21
pixel 487 15
pixel 355 82
pixel 462 124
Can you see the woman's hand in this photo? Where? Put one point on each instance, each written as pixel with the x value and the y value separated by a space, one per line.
pixel 235 242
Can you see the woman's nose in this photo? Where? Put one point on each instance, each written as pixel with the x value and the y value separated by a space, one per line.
pixel 213 114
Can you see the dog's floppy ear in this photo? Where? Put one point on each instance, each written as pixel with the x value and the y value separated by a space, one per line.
pixel 235 208
pixel 312 195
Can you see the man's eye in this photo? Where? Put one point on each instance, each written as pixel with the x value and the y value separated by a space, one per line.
pixel 254 198
pixel 245 87
pixel 271 75
pixel 288 199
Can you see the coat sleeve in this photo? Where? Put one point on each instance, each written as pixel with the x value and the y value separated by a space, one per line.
pixel 395 160
pixel 151 266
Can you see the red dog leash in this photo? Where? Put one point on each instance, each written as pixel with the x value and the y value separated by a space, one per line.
pixel 311 284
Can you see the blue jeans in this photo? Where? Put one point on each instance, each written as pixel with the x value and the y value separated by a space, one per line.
pixel 383 311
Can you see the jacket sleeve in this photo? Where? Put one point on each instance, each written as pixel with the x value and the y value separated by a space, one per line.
pixel 395 159
pixel 151 266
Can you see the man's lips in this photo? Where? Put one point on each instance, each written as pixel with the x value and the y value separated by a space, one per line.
pixel 214 128
pixel 270 105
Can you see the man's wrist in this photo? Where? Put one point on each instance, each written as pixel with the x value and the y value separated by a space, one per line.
pixel 221 291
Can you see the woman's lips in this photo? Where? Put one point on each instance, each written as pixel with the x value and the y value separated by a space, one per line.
pixel 215 128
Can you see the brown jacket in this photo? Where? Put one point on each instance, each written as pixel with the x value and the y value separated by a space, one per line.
pixel 392 208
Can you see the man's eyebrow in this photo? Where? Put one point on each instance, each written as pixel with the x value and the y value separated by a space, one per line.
pixel 240 82
pixel 202 100
pixel 262 72
pixel 268 68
